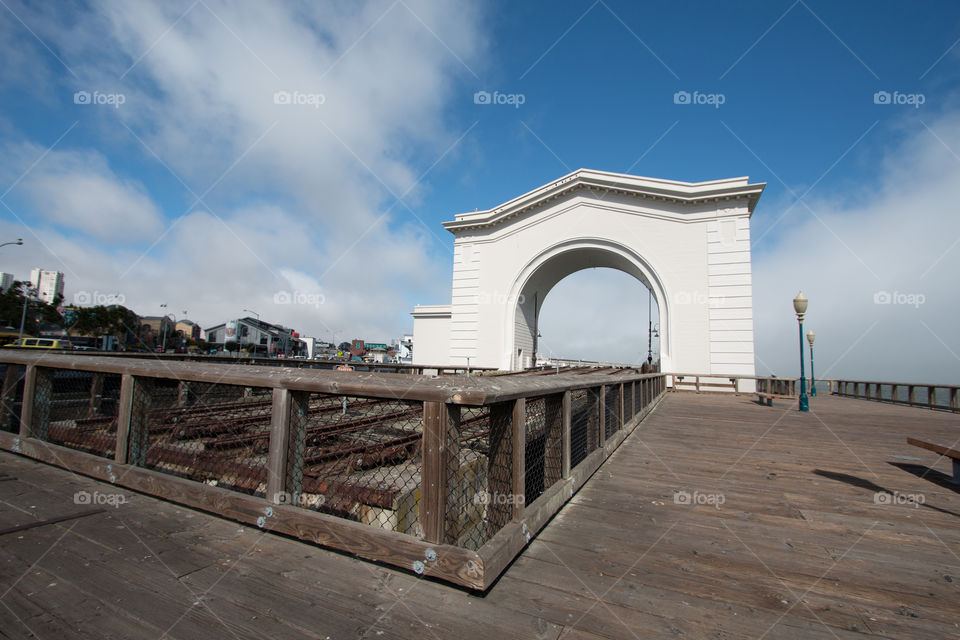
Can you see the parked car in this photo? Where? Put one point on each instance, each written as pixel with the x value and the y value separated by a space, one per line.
pixel 41 343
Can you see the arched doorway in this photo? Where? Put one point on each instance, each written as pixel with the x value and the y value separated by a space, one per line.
pixel 598 315
pixel 543 272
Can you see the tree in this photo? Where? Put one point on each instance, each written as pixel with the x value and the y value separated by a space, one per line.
pixel 343 346
pixel 230 345
pixel 38 312
pixel 116 321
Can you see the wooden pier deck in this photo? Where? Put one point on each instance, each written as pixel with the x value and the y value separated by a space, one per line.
pixel 717 518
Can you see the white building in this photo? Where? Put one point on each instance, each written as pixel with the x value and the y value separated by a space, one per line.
pixel 689 243
pixel 6 281
pixel 48 284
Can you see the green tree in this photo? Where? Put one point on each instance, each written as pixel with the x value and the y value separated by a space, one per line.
pixel 39 313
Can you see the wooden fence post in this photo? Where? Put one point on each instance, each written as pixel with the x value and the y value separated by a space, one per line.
pixel 440 434
pixel 279 447
pixel 37 394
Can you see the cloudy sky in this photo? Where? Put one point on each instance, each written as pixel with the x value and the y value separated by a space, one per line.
pixel 297 159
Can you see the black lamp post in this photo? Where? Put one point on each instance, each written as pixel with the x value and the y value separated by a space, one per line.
pixel 800 306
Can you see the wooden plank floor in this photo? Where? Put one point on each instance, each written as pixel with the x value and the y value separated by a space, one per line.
pixel 717 518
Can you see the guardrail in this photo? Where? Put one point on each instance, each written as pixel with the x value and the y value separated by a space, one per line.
pixel 735 383
pixel 295 363
pixel 448 477
pixel 905 393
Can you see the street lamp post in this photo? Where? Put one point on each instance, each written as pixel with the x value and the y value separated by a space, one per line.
pixel 800 306
pixel 813 385
pixel 23 316
pixel 18 242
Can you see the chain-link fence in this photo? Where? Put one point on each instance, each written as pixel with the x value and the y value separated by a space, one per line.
pixel 584 423
pixel 218 434
pixel 11 397
pixel 611 423
pixel 480 496
pixel 356 458
pixel 544 447
pixel 76 409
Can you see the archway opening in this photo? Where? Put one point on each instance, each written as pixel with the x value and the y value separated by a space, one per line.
pixel 598 315
pixel 622 291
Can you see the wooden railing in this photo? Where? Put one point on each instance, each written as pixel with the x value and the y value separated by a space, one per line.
pixel 730 383
pixel 296 363
pixel 930 396
pixel 448 477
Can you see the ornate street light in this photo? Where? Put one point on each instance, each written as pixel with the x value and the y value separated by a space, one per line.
pixel 813 385
pixel 800 306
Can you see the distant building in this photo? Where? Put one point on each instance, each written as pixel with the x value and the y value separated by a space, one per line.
pixel 189 329
pixel 257 337
pixel 6 281
pixel 404 349
pixel 48 284
pixel 152 330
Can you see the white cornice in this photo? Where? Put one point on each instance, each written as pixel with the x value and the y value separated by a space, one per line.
pixel 690 193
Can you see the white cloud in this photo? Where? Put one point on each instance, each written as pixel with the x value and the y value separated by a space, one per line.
pixel 78 191
pixel 281 197
pixel 901 238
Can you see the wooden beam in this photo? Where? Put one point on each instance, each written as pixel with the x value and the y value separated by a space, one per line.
pixel 434 472
pixel 279 446
pixel 123 418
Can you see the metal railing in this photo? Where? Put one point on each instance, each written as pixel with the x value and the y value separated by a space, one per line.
pixel 447 476
pixel 930 396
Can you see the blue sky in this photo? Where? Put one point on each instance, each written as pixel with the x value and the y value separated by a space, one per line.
pixel 201 192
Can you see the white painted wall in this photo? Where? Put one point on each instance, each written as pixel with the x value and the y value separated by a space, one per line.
pixel 431 334
pixel 689 242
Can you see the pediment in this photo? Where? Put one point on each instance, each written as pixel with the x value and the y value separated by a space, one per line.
pixel 601 182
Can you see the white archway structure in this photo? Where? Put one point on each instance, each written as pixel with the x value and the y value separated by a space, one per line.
pixel 689 243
